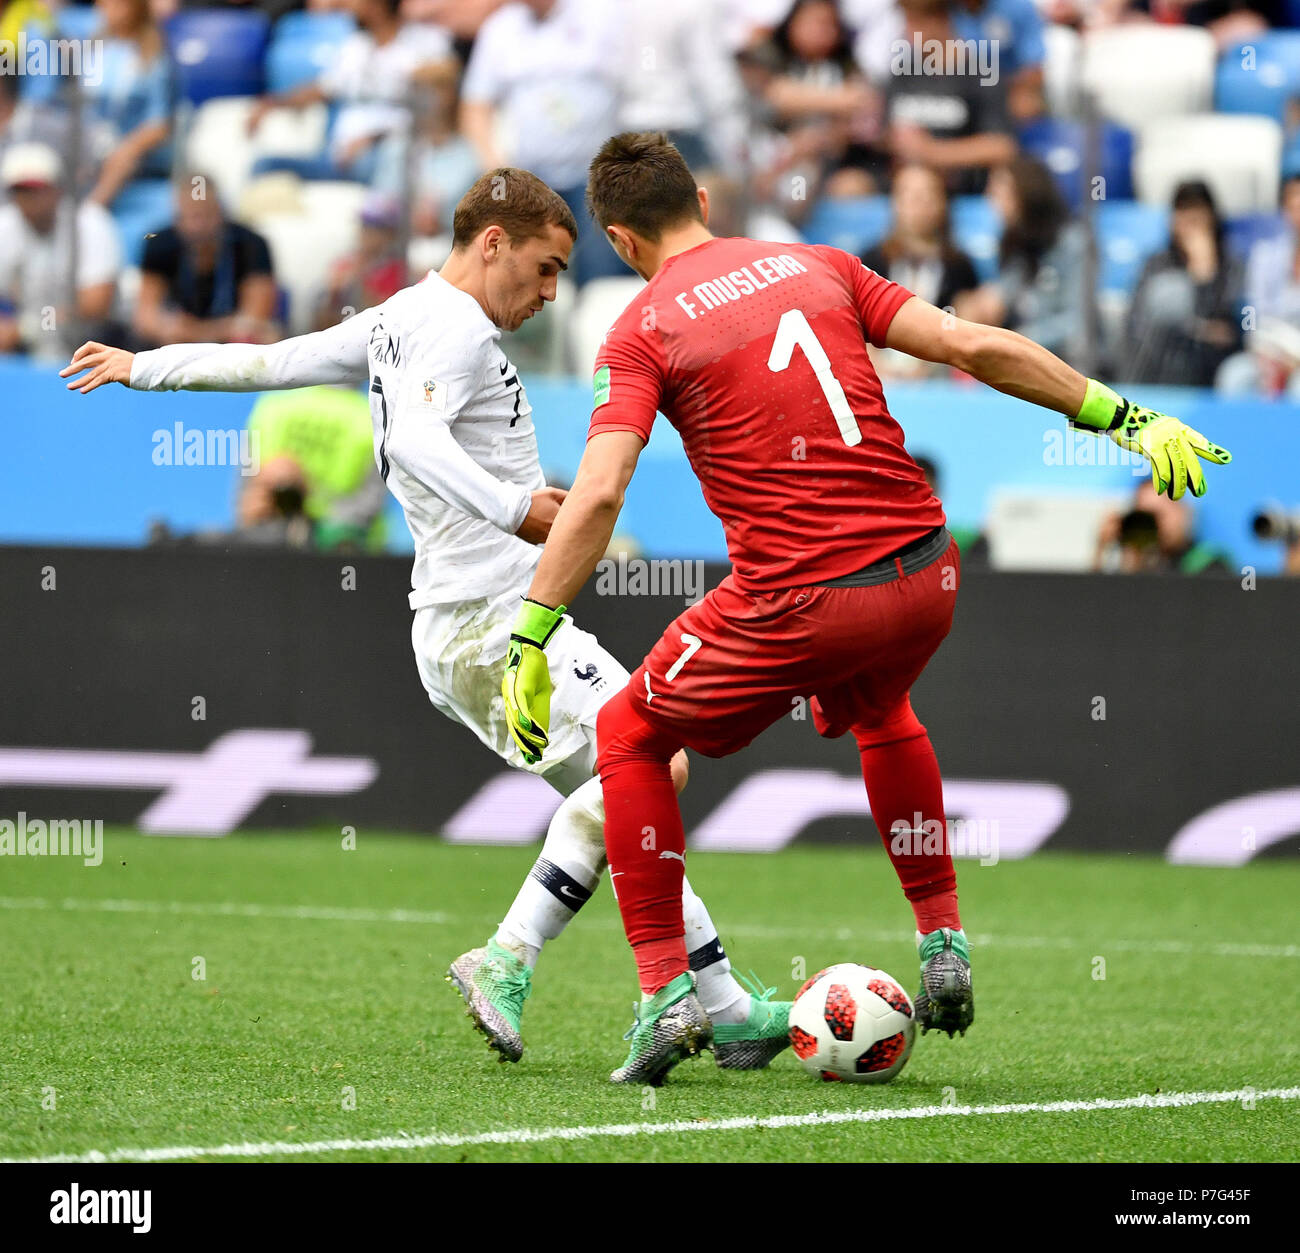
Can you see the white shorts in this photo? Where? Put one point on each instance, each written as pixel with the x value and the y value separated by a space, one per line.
pixel 460 651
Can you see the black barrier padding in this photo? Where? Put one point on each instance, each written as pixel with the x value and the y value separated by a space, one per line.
pixel 1199 679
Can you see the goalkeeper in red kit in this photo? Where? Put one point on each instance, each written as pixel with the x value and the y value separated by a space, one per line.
pixel 843 579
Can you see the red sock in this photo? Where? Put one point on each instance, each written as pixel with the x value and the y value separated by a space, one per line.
pixel 902 777
pixel 644 840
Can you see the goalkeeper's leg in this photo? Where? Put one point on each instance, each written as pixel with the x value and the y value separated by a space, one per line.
pixel 905 792
pixel 912 616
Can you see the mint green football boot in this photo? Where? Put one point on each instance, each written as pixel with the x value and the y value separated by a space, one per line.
pixel 751 1045
pixel 495 984
pixel 670 1026
pixel 945 1001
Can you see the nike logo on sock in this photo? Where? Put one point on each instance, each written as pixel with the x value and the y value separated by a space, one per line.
pixel 567 889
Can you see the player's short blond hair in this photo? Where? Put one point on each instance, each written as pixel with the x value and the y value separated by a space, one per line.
pixel 518 202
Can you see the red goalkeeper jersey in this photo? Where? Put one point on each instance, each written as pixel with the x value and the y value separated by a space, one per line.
pixel 756 352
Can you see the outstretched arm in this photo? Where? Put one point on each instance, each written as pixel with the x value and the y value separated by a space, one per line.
pixel 336 355
pixel 1003 359
pixel 1019 367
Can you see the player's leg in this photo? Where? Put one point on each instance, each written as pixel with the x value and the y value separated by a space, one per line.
pixel 905 622
pixel 567 872
pixel 696 674
pixel 496 978
pixel 646 845
pixel 905 792
pixel 572 858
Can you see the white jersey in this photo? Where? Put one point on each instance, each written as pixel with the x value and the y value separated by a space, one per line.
pixel 453 429
pixel 454 441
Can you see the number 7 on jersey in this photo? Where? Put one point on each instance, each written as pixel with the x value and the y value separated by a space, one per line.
pixel 793 330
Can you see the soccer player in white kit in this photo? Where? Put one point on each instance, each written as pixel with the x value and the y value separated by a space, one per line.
pixel 454 441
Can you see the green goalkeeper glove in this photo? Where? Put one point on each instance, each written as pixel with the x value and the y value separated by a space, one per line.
pixel 1174 450
pixel 526 687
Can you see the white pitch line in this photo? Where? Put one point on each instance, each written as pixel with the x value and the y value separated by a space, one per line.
pixel 329 913
pixel 235 909
pixel 539 1135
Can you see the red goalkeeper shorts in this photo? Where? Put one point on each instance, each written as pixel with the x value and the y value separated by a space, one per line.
pixel 733 664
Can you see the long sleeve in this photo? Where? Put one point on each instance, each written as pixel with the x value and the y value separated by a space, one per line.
pixel 442 377
pixel 336 355
pixel 425 448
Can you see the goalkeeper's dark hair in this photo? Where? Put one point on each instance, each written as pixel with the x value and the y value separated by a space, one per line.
pixel 518 202
pixel 639 180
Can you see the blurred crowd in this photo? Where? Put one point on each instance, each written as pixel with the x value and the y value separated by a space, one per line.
pixel 236 172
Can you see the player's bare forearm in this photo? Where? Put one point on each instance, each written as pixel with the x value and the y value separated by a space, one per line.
pixel 583 527
pixel 1018 366
pixel 577 542
pixel 1003 359
pixel 1013 364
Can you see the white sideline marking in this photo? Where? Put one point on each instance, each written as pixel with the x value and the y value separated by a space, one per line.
pixel 342 913
pixel 530 1135
pixel 236 909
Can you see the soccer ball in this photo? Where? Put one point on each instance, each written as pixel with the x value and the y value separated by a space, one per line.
pixel 853 1024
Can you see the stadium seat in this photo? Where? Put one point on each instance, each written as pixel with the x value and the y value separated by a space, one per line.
pixel 428 252
pixel 1128 232
pixel 977 229
pixel 599 303
pixel 142 207
pixel 853 225
pixel 307 234
pixel 1243 233
pixel 1259 76
pixel 217 52
pixel 1138 73
pixel 1062 146
pixel 302 44
pixel 1239 156
pixel 218 142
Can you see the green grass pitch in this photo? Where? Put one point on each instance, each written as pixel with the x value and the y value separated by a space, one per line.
pixel 323 1015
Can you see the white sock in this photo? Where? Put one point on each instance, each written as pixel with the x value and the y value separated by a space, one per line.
pixel 723 998
pixel 562 881
pixel 562 878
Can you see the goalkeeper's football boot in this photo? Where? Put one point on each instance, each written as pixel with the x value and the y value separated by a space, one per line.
pixel 670 1026
pixel 751 1044
pixel 945 1001
pixel 495 984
